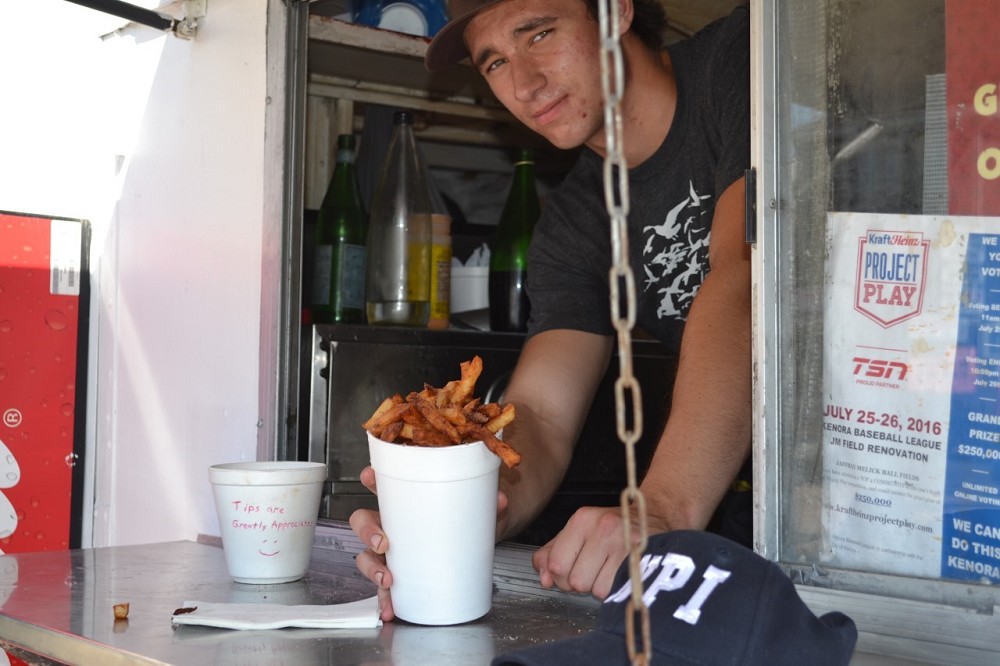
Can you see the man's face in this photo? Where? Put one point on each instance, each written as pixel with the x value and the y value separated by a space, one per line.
pixel 541 59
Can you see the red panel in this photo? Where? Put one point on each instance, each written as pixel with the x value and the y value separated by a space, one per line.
pixel 38 360
pixel 973 95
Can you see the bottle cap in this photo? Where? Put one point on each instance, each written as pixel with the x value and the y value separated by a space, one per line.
pixel 524 156
pixel 440 224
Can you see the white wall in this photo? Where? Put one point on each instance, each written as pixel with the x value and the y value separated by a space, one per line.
pixel 52 157
pixel 160 143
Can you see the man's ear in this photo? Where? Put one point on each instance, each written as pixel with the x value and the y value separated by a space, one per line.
pixel 626 12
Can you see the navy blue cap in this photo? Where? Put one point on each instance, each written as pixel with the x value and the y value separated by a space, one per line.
pixel 711 601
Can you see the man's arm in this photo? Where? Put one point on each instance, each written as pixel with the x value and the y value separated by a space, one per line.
pixel 707 436
pixel 552 388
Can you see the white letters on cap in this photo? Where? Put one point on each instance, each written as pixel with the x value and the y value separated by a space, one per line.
pixel 674 575
pixel 691 611
pixel 647 566
pixel 677 569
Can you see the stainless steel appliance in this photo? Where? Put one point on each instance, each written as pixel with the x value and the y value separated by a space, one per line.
pixel 356 367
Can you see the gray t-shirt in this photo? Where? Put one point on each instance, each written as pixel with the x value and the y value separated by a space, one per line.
pixel 673 197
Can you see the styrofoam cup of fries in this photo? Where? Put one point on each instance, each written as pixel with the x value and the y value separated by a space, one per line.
pixel 438 506
pixel 436 456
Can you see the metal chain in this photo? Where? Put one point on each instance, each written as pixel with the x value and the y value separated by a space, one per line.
pixel 616 198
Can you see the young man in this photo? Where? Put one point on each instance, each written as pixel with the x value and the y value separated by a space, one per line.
pixel 686 129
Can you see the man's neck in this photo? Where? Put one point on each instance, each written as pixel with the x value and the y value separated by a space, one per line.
pixel 648 103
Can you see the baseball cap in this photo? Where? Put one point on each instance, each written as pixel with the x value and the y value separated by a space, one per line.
pixel 711 601
pixel 448 45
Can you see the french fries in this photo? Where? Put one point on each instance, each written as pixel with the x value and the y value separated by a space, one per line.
pixel 445 416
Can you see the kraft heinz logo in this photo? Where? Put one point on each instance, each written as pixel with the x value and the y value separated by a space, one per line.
pixel 892 273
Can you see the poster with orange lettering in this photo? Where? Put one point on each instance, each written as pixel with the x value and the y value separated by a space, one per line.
pixel 972 76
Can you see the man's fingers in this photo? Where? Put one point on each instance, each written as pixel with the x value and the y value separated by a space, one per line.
pixel 373 567
pixel 368 527
pixel 564 563
pixel 585 555
pixel 367 478
pixel 540 560
pixel 605 579
pixel 371 562
pixel 386 614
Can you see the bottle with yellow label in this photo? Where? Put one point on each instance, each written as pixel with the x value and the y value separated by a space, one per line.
pixel 398 284
pixel 440 261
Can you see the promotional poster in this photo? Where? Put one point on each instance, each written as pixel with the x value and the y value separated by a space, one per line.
pixel 911 421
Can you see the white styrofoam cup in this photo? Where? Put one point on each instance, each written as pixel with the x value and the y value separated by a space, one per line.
pixel 469 288
pixel 267 516
pixel 439 508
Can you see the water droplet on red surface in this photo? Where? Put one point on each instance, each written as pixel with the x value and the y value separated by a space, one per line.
pixel 56 320
pixel 6 326
pixel 66 409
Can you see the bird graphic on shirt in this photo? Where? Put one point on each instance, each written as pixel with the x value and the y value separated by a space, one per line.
pixel 679 254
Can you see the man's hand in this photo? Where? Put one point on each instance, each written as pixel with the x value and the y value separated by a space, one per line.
pixel 371 561
pixel 587 553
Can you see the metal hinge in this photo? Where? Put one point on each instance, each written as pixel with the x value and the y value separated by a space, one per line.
pixel 750 197
pixel 185 28
pixel 194 11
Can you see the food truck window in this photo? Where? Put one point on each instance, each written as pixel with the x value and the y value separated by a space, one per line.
pixel 878 336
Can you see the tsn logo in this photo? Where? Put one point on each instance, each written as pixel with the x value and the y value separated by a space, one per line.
pixel 879 369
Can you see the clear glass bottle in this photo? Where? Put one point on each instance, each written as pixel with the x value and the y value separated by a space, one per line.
pixel 398 285
pixel 338 295
pixel 509 305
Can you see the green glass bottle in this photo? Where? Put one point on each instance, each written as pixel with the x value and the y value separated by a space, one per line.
pixel 341 255
pixel 509 305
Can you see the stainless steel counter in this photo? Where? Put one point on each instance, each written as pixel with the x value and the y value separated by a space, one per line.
pixel 58 606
